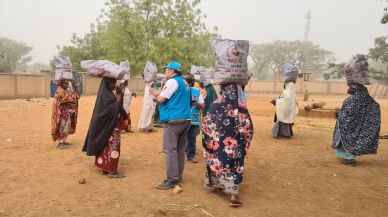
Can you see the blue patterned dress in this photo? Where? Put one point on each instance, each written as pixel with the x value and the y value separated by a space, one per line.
pixel 358 125
pixel 228 131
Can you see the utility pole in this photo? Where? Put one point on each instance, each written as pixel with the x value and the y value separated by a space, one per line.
pixel 303 66
pixel 307 28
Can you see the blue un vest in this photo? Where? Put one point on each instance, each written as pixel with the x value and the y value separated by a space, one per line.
pixel 178 106
pixel 195 112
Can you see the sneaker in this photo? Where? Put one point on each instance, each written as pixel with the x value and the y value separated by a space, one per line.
pixel 166 185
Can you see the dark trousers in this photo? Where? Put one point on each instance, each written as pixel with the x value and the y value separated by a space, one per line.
pixel 191 141
pixel 174 144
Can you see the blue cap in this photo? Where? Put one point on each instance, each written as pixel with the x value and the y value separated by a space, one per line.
pixel 174 65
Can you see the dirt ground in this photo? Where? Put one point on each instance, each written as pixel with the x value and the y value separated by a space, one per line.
pixel 297 177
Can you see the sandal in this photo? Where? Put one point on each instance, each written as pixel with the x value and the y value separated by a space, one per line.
pixel 61 146
pixel 209 187
pixel 235 201
pixel 116 176
pixel 349 162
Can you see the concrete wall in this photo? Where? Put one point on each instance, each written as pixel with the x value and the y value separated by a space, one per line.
pixel 90 85
pixel 313 87
pixel 24 86
pixel 31 86
pixel 7 86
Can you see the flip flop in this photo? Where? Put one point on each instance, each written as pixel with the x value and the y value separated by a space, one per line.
pixel 116 176
pixel 61 146
pixel 235 202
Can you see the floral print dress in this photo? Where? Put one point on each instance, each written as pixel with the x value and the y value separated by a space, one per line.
pixel 227 131
pixel 64 113
pixel 108 160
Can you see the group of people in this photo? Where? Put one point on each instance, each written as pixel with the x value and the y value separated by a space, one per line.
pixel 357 122
pixel 187 107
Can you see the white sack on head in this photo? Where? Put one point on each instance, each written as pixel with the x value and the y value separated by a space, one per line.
pixel 105 68
pixel 290 72
pixel 207 77
pixel 231 61
pixel 202 74
pixel 150 71
pixel 125 66
pixel 63 68
pixel 196 71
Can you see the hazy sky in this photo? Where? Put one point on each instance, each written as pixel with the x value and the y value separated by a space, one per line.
pixel 345 27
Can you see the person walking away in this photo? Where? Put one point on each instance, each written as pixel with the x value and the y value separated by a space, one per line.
pixel 228 133
pixel 359 120
pixel 197 103
pixel 103 137
pixel 127 95
pixel 211 96
pixel 149 104
pixel 286 104
pixel 65 104
pixel 175 112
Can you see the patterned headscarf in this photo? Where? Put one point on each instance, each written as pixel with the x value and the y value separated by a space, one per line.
pixel 356 71
pixel 290 72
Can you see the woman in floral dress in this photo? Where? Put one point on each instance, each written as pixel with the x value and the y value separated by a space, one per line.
pixel 228 133
pixel 64 112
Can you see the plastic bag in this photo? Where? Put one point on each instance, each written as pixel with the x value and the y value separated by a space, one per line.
pixel 105 68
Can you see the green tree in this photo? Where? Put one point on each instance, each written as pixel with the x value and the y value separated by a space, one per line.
pixel 379 54
pixel 269 58
pixel 13 54
pixel 335 71
pixel 384 19
pixel 141 30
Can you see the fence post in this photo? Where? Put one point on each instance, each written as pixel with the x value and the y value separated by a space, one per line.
pixel 46 86
pixel 16 92
pixel 328 87
pixel 83 91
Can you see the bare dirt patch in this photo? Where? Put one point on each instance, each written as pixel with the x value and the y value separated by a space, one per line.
pixel 298 177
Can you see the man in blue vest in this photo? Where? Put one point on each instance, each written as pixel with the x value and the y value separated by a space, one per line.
pixel 174 99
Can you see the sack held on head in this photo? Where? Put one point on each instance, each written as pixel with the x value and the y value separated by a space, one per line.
pixel 231 61
pixel 105 68
pixel 202 74
pixel 63 68
pixel 150 71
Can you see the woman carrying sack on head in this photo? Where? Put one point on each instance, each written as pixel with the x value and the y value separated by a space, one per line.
pixel 103 138
pixel 358 122
pixel 65 105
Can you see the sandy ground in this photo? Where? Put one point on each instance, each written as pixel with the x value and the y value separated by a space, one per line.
pixel 298 177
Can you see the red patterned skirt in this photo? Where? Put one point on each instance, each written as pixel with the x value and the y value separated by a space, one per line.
pixel 108 160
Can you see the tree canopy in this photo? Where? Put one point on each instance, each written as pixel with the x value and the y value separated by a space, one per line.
pixel 13 54
pixel 141 30
pixel 379 69
pixel 269 57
